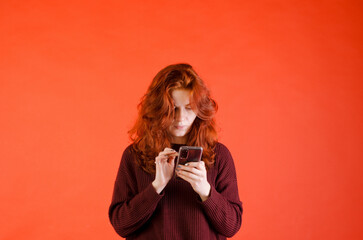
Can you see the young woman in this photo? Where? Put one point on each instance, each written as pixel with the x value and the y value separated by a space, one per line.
pixel 153 198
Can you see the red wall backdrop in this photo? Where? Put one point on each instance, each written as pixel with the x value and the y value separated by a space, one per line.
pixel 287 76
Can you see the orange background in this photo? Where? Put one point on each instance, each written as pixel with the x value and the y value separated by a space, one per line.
pixel 287 76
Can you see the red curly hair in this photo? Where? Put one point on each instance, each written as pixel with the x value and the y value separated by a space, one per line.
pixel 156 113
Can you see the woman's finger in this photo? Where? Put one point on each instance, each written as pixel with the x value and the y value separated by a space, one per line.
pixel 199 165
pixel 191 170
pixel 168 149
pixel 193 165
pixel 188 176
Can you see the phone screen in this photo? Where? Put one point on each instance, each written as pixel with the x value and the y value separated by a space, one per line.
pixel 189 154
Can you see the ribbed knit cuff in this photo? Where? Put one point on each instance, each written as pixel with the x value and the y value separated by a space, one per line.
pixel 149 199
pixel 211 203
pixel 153 196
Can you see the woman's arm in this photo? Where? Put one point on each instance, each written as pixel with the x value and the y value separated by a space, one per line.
pixel 224 214
pixel 221 203
pixel 223 207
pixel 131 207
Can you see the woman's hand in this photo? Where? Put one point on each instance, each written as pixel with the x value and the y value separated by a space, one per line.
pixel 164 164
pixel 196 174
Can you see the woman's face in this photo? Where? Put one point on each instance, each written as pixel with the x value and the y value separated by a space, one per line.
pixel 183 118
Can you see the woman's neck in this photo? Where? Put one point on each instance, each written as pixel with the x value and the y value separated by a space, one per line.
pixel 179 140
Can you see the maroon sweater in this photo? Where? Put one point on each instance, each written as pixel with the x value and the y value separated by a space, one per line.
pixel 138 212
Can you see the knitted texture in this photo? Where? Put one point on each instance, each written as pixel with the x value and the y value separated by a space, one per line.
pixel 138 212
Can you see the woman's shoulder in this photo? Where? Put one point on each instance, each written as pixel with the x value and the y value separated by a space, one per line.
pixel 223 155
pixel 224 162
pixel 129 149
pixel 128 155
pixel 221 149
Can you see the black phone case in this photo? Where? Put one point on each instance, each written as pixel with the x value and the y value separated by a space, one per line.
pixel 189 154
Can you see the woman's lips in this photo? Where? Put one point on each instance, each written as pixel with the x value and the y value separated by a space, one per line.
pixel 179 127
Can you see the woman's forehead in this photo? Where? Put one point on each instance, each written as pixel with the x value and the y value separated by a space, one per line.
pixel 181 96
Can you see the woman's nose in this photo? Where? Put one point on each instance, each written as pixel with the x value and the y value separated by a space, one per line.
pixel 179 115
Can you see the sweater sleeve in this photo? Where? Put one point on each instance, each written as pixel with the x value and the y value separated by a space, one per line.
pixel 130 207
pixel 223 207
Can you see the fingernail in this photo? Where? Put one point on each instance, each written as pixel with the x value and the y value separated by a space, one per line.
pixel 187 164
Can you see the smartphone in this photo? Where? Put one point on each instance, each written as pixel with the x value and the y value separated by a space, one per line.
pixel 189 154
